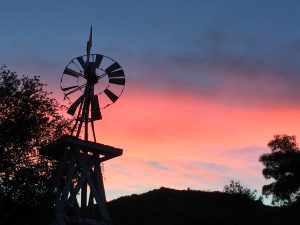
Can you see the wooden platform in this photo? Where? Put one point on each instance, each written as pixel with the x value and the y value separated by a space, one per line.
pixel 56 148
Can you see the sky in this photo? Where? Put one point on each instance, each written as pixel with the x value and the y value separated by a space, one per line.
pixel 208 82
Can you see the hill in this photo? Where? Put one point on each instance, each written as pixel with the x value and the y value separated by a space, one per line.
pixel 166 206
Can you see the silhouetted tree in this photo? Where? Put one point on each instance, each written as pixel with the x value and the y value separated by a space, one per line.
pixel 235 187
pixel 29 119
pixel 282 165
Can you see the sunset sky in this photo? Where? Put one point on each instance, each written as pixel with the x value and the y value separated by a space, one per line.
pixel 209 82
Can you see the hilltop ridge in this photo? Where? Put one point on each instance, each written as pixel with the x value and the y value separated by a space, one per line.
pixel 167 206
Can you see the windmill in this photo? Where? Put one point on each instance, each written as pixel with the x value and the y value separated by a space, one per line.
pixel 90 82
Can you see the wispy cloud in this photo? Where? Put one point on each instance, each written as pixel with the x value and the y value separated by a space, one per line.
pixel 220 168
pixel 158 165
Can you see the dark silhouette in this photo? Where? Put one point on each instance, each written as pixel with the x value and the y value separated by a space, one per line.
pixel 166 206
pixel 282 165
pixel 235 187
pixel 29 119
pixel 78 158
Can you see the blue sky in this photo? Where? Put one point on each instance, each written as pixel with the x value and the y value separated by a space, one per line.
pixel 224 69
pixel 157 34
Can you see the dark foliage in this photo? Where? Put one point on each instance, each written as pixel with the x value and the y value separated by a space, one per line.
pixel 13 213
pixel 172 207
pixel 282 165
pixel 29 119
pixel 235 187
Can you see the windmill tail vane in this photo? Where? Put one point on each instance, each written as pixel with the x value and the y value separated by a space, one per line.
pixel 89 44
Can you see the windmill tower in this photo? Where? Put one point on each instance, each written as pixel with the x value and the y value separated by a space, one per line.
pixel 78 183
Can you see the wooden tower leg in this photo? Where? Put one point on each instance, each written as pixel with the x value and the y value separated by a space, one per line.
pixel 77 171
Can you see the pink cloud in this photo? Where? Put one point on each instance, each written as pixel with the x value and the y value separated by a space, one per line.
pixel 159 127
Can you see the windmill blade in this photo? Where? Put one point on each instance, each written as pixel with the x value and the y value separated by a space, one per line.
pixel 75 88
pixel 68 88
pixel 111 95
pixel 88 48
pixel 82 62
pixel 71 72
pixel 112 67
pixel 118 73
pixel 74 106
pixel 95 108
pixel 119 81
pixel 98 60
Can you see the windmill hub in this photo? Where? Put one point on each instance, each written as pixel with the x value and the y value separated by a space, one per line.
pixel 90 75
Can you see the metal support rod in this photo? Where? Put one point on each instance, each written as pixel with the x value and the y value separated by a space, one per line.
pixel 93 130
pixel 77 118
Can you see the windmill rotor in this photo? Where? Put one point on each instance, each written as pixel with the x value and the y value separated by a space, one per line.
pixel 90 83
pixel 104 73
